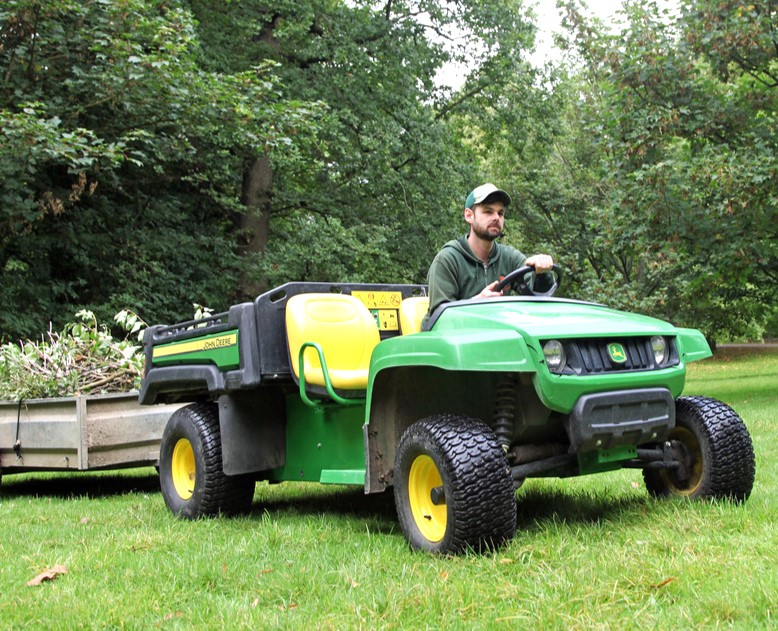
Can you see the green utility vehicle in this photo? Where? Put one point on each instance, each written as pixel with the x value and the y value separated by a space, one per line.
pixel 337 384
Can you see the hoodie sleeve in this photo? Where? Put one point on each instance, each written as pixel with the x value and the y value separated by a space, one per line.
pixel 442 280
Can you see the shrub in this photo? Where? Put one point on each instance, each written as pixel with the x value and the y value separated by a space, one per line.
pixel 83 358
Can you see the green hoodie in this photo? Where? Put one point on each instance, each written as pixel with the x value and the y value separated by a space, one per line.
pixel 456 273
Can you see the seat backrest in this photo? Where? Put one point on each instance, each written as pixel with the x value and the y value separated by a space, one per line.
pixel 345 330
pixel 412 312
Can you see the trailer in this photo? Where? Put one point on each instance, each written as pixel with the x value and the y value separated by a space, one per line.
pixel 80 433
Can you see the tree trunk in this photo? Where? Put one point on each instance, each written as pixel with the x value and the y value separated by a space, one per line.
pixel 255 221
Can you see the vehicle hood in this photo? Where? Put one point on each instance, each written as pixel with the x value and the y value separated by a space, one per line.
pixel 546 317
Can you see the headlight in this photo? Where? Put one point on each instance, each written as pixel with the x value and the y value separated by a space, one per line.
pixel 659 348
pixel 554 353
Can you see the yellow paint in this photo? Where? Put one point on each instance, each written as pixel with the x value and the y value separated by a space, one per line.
pixel 211 343
pixel 431 519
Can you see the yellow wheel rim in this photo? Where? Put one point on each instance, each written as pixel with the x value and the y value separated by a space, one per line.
pixel 689 440
pixel 430 519
pixel 183 468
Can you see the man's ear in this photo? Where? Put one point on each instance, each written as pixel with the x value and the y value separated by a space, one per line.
pixel 469 215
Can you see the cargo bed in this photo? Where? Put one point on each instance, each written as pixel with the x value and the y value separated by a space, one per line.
pixel 81 433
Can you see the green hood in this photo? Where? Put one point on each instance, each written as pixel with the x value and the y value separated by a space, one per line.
pixel 548 317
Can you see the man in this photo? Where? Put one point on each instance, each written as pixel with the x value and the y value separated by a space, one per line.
pixel 471 266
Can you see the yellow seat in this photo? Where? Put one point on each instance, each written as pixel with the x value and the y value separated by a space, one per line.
pixel 342 328
pixel 412 312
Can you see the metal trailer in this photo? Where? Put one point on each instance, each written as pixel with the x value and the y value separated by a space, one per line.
pixel 81 433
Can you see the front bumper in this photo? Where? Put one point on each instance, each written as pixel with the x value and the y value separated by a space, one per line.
pixel 613 419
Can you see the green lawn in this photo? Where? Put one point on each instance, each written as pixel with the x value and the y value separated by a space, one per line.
pixel 591 552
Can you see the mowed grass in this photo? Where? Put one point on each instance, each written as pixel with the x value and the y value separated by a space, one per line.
pixel 591 553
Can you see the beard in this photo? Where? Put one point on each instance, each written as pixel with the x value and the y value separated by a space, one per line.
pixel 489 233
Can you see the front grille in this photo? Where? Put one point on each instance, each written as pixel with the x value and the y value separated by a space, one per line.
pixel 592 357
pixel 595 358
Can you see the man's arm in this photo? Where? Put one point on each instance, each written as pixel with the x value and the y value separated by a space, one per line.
pixel 442 280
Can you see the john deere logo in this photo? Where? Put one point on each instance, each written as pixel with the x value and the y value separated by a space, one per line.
pixel 616 352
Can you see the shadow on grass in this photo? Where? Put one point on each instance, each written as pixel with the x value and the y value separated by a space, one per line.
pixel 536 508
pixel 75 486
pixel 539 507
pixel 378 509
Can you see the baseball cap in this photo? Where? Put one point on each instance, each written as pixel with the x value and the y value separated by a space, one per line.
pixel 482 193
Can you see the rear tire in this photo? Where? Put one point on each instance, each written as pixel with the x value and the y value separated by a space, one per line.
pixel 190 467
pixel 717 451
pixel 452 486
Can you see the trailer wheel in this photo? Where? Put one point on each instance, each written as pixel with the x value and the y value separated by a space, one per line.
pixel 452 486
pixel 715 450
pixel 190 466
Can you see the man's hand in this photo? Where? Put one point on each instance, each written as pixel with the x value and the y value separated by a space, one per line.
pixel 541 262
pixel 488 291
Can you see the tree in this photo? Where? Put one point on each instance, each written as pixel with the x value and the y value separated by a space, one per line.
pixel 681 114
pixel 121 160
pixel 383 190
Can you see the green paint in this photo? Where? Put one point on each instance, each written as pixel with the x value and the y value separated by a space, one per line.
pixel 323 444
pixel 221 349
pixel 617 353
pixel 605 459
pixel 343 476
pixel 504 337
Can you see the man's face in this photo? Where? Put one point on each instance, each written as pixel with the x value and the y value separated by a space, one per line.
pixel 486 220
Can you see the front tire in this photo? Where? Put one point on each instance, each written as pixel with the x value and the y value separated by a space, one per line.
pixel 190 467
pixel 452 486
pixel 716 450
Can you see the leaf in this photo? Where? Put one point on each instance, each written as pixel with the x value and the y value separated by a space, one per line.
pixel 173 614
pixel 48 575
pixel 667 581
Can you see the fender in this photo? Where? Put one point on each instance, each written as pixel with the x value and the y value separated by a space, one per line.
pixel 467 349
pixel 692 345
pixel 413 375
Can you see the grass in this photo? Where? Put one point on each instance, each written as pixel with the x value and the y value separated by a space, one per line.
pixel 591 553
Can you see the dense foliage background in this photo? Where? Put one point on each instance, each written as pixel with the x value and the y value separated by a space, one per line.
pixel 158 153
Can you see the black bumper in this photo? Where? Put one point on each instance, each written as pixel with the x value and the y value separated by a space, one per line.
pixel 627 417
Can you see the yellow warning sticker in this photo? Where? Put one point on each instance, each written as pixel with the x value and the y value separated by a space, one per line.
pixel 379 299
pixel 387 319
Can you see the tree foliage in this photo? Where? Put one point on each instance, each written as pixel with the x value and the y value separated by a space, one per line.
pixel 164 152
pixel 676 190
pixel 154 154
pixel 120 157
pixel 384 188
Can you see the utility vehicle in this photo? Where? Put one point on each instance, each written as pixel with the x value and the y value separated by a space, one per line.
pixel 337 383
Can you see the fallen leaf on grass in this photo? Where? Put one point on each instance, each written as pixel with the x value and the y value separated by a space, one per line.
pixel 48 575
pixel 506 561
pixel 171 615
pixel 667 581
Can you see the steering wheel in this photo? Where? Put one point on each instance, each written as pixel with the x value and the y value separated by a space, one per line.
pixel 516 281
